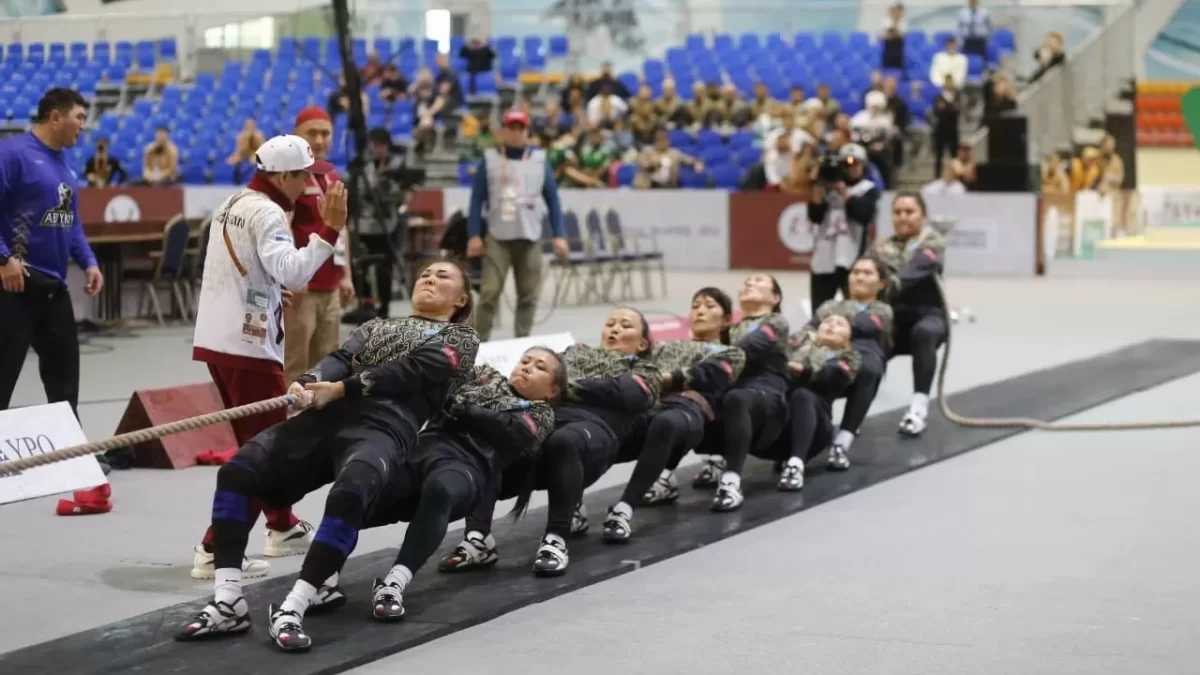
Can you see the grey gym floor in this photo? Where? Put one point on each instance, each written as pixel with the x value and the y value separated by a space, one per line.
pixel 1046 553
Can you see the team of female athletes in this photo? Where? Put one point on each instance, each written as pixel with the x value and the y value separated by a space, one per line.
pixel 405 425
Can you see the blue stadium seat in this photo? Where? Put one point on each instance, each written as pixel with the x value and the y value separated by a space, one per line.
pixel 510 69
pixel 559 47
pixel 690 179
pixel 532 45
pixel 625 174
pixel 726 176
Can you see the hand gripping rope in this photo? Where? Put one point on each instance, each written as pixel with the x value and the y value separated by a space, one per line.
pixel 143 435
pixel 1026 422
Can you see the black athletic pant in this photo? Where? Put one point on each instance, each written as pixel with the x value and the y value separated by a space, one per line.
pixel 809 426
pixel 919 332
pixel 289 460
pixel 862 391
pixel 380 246
pixel 670 431
pixel 45 320
pixel 750 418
pixel 824 287
pixel 575 455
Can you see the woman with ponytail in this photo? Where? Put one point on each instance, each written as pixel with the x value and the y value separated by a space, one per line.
pixel 915 254
pixel 871 334
pixel 695 372
pixel 752 411
pixel 608 389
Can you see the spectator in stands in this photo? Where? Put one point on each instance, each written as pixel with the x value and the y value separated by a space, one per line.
pixel 372 71
pixel 949 184
pixel 800 176
pixel 589 164
pixel 796 96
pixel 160 160
pixel 777 160
pixel 796 137
pixel 948 63
pixel 731 110
pixel 643 124
pixel 339 102
pixel 966 164
pixel 605 106
pixel 999 96
pixel 553 122
pixel 102 169
pixel 431 105
pixel 644 93
pixel 873 128
pixel 1054 176
pixel 892 38
pixel 1048 55
pixel 975 29
pixel 620 140
pixel 699 111
pixel 615 86
pixel 946 108
pixel 483 140
pixel 658 165
pixel 514 189
pixel 667 106
pixel 248 140
pixel 448 82
pixel 769 121
pixel 831 105
pixel 842 121
pixel 479 57
pixel 901 118
pixel 393 86
pixel 1112 167
pixel 837 139
pixel 1086 170
pixel 577 109
pixel 761 102
pixel 874 83
pixel 575 87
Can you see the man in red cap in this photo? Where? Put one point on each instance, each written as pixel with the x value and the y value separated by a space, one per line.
pixel 251 259
pixel 313 321
pixel 514 190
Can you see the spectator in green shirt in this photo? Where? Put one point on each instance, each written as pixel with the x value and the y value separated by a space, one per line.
pixel 592 160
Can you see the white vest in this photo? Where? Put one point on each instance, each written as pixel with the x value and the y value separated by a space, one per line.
pixel 250 259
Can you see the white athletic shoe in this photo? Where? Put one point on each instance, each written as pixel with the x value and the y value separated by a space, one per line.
pixel 912 425
pixel 217 618
pixel 664 490
pixel 710 472
pixel 579 522
pixel 293 542
pixel 202 566
pixel 473 552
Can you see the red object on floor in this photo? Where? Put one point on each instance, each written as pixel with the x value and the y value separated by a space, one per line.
pixel 215 457
pixel 87 502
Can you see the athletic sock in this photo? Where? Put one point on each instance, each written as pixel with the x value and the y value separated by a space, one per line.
pixel 399 576
pixel 920 405
pixel 332 581
pixel 731 478
pixel 302 596
pixel 844 439
pixel 623 509
pixel 228 585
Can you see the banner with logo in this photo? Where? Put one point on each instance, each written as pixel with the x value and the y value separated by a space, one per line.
pixel 37 430
pixel 107 211
pixel 690 227
pixel 1174 206
pixel 769 231
pixel 200 201
pixel 987 234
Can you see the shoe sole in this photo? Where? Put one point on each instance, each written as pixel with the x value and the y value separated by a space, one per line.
pixel 208 575
pixel 790 488
pixel 185 637
pixel 284 551
pixel 453 569
pixel 387 619
pixel 549 573
pixel 616 540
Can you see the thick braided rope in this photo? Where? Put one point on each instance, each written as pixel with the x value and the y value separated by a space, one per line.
pixel 143 435
pixel 1028 422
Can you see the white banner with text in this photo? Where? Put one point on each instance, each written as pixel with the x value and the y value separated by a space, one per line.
pixel 987 234
pixel 37 430
pixel 690 227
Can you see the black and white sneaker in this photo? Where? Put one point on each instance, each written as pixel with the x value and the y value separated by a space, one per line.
pixel 552 557
pixel 710 473
pixel 728 498
pixel 791 477
pixel 216 619
pixel 617 528
pixel 287 630
pixel 664 491
pixel 388 602
pixel 912 425
pixel 474 552
pixel 837 460
pixel 328 599
pixel 579 522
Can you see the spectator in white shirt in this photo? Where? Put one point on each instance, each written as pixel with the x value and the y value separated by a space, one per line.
pixel 797 138
pixel 948 184
pixel 975 28
pixel 949 63
pixel 874 120
pixel 606 106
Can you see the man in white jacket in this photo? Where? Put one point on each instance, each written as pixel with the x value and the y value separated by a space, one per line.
pixel 250 260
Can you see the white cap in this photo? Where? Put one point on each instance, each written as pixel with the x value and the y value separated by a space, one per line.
pixel 876 99
pixel 289 153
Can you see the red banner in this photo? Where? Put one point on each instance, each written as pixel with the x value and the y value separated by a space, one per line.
pixel 769 231
pixel 115 210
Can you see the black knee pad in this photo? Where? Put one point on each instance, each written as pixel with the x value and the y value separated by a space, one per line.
pixel 239 475
pixel 356 487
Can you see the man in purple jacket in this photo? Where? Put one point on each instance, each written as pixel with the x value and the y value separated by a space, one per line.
pixel 40 233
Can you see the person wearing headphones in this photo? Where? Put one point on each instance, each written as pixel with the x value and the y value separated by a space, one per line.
pixel 513 192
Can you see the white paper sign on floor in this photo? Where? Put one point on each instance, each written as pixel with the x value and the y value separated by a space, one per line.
pixel 37 430
pixel 504 355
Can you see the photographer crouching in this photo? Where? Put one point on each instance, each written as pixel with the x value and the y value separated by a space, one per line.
pixel 841 207
pixel 382 223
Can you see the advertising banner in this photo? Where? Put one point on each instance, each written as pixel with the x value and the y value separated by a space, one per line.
pixel 199 201
pixel 108 211
pixel 37 430
pixel 1174 206
pixel 769 231
pixel 987 234
pixel 690 227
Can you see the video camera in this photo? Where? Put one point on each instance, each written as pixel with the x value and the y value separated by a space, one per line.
pixel 405 177
pixel 832 169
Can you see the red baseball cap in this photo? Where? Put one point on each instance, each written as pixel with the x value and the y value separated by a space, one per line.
pixel 516 117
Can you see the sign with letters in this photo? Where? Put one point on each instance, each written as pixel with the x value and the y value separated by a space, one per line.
pixel 504 355
pixel 37 430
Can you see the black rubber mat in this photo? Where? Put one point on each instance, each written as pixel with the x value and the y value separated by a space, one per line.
pixel 442 604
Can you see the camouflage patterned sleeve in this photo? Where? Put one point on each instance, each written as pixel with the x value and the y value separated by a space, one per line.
pixel 633 392
pixel 720 367
pixel 927 260
pixel 768 338
pixel 338 365
pixel 524 427
pixel 448 355
pixel 832 377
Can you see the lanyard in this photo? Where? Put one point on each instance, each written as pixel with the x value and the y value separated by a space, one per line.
pixel 504 170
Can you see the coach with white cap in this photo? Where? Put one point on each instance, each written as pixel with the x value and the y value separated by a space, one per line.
pixel 250 260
